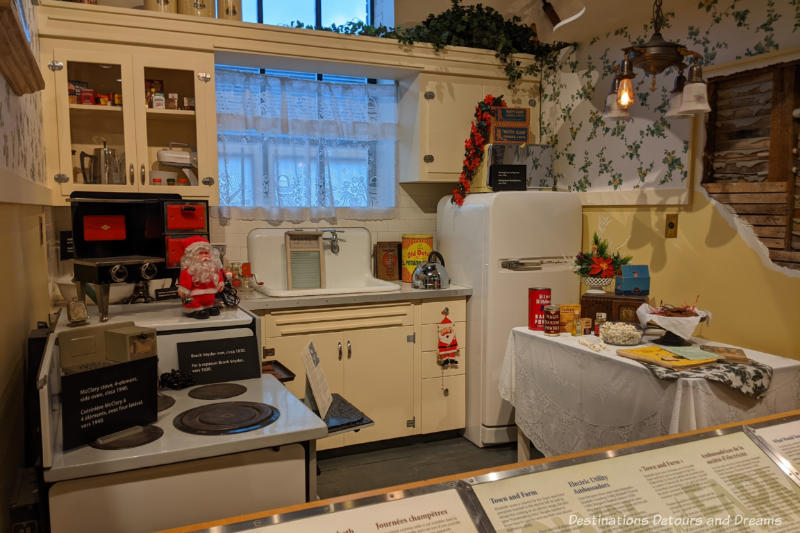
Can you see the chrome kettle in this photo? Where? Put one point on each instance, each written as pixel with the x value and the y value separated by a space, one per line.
pixel 431 275
pixel 105 166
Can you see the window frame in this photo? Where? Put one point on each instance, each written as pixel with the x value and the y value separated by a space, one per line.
pixel 318 12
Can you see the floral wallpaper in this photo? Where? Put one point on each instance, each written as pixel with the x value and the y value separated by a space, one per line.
pixel 21 144
pixel 650 151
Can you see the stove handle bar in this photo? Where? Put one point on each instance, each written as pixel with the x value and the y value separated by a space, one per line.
pixel 117 200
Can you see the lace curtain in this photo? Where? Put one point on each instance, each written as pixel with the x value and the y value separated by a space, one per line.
pixel 295 149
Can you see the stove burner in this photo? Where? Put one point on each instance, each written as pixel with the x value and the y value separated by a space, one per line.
pixel 225 418
pixel 165 402
pixel 217 391
pixel 146 435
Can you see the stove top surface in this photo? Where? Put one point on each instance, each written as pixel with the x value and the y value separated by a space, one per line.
pixel 217 391
pixel 223 418
pixel 295 423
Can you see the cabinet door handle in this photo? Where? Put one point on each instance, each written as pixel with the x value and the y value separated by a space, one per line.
pixel 131 172
pixel 349 349
pixel 142 173
pixel 340 351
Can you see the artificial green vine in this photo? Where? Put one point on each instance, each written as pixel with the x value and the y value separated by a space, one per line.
pixel 474 26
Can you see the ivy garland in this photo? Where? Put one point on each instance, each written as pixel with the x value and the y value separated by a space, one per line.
pixel 474 26
pixel 473 146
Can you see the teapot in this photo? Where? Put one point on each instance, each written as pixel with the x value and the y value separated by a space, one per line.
pixel 431 275
pixel 105 166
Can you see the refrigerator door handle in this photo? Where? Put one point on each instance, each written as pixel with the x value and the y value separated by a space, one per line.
pixel 518 265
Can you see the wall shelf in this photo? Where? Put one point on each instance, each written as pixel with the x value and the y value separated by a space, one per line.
pixel 19 65
pixel 170 112
pixel 94 108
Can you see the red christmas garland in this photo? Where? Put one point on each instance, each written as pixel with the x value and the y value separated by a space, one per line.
pixel 473 146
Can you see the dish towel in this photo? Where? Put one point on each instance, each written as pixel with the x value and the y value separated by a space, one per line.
pixel 751 380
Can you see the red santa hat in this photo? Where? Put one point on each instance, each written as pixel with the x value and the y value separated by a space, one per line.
pixel 192 244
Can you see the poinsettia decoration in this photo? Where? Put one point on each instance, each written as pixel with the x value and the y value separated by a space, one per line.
pixel 473 146
pixel 598 263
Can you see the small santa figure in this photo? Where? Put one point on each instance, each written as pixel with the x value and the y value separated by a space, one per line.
pixel 201 278
pixel 448 344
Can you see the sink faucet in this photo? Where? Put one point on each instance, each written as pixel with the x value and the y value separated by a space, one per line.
pixel 334 239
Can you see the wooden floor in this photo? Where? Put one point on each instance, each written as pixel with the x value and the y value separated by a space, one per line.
pixel 372 466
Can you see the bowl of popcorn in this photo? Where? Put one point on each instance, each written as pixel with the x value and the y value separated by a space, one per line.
pixel 621 333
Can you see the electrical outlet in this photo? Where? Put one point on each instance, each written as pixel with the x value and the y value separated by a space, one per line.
pixel 671 226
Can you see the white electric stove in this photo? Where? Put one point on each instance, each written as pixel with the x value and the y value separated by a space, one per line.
pixel 181 477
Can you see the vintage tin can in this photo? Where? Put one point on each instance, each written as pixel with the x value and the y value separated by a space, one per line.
pixel 552 320
pixel 199 8
pixel 416 249
pixel 163 6
pixel 229 9
pixel 538 298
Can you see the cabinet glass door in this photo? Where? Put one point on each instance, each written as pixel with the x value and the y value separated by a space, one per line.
pixel 96 140
pixel 174 94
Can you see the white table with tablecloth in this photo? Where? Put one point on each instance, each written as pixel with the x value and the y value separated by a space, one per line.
pixel 568 397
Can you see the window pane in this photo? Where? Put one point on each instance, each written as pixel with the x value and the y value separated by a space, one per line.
pixel 282 13
pixel 340 12
pixel 250 10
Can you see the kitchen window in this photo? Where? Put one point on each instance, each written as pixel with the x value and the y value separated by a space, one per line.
pixel 317 13
pixel 298 145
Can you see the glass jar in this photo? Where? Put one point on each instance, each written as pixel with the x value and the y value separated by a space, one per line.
pixel 552 320
pixel 600 318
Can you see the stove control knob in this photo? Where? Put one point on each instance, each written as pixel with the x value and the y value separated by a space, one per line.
pixel 119 273
pixel 148 271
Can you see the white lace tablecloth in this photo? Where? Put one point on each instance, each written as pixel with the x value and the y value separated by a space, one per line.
pixel 569 398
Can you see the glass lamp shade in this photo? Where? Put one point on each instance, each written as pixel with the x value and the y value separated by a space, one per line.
pixel 612 111
pixel 675 101
pixel 694 99
pixel 625 93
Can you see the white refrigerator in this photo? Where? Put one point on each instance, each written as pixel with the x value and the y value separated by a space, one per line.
pixel 501 244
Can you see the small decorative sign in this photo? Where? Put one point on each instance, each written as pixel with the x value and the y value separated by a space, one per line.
pixel 108 399
pixel 218 360
pixel 508 177
pixel 317 391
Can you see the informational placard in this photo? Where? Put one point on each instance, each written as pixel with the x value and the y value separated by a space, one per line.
pixel 439 512
pixel 317 382
pixel 706 485
pixel 215 360
pixel 109 399
pixel 785 438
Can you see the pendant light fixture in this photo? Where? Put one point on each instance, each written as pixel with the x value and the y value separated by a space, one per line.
pixel 612 110
pixel 654 57
pixel 695 95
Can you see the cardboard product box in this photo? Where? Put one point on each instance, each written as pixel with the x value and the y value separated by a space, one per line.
pixel 569 313
pixel 130 343
pixel 513 116
pixel 509 133
pixel 634 281
pixel 387 260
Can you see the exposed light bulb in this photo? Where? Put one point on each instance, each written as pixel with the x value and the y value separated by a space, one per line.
pixel 625 93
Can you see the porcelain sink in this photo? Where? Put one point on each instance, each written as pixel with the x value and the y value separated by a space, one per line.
pixel 349 271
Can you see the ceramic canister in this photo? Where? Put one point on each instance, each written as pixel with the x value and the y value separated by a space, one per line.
pixel 200 8
pixel 229 9
pixel 416 249
pixel 164 6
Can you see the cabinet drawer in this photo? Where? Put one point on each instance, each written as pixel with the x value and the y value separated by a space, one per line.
pixel 183 217
pixel 440 411
pixel 318 320
pixel 432 310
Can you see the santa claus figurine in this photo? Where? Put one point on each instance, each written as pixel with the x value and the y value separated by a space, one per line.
pixel 201 278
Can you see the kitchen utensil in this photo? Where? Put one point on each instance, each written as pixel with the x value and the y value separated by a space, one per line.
pixel 431 275
pixel 105 167
pixel 186 160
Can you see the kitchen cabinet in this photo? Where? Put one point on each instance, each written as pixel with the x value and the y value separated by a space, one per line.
pixel 382 358
pixel 367 355
pixel 97 95
pixel 435 116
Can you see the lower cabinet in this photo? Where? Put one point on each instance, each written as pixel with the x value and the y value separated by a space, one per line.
pixel 382 358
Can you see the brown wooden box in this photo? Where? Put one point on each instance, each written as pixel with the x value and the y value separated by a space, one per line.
pixel 387 260
pixel 617 308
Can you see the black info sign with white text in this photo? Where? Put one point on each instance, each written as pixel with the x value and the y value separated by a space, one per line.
pixel 103 401
pixel 218 360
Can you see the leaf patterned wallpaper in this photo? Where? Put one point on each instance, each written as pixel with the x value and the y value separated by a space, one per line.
pixel 21 144
pixel 650 151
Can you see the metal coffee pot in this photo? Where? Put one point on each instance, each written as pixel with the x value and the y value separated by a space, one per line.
pixel 431 275
pixel 105 166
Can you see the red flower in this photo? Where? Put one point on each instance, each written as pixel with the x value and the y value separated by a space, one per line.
pixel 489 100
pixel 601 266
